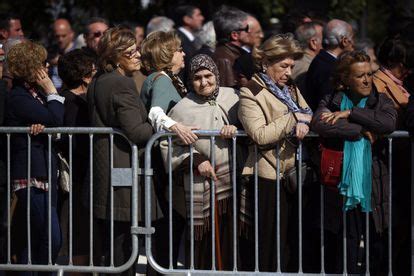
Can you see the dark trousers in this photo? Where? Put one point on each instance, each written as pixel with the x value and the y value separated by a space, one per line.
pixel 356 247
pixel 267 204
pixel 39 229
pixel 122 244
pixel 203 249
pixel 160 241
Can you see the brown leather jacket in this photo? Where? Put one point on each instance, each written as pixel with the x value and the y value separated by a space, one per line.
pixel 224 57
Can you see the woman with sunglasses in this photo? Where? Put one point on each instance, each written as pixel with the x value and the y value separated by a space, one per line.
pixel 113 101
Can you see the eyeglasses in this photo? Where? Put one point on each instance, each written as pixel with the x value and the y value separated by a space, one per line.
pixel 131 53
pixel 97 34
pixel 245 29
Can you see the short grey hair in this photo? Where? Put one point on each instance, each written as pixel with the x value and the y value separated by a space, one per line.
pixel 10 42
pixel 160 23
pixel 227 20
pixel 334 31
pixel 305 32
pixel 207 35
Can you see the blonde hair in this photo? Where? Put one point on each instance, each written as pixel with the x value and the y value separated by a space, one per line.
pixel 24 59
pixel 114 42
pixel 276 48
pixel 158 48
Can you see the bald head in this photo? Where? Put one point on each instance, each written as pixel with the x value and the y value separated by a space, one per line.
pixel 338 35
pixel 63 34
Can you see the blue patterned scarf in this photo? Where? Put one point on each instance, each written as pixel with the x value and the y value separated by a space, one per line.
pixel 356 180
pixel 284 95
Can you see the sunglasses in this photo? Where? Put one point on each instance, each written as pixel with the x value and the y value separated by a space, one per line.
pixel 245 29
pixel 131 54
pixel 97 34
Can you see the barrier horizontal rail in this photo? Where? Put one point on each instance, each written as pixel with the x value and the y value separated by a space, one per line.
pixel 190 270
pixel 147 230
pixel 9 133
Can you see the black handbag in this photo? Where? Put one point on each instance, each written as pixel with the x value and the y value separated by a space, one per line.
pixel 291 177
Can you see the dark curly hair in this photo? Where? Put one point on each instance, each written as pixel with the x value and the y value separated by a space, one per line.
pixel 74 66
pixel 343 66
pixel 24 59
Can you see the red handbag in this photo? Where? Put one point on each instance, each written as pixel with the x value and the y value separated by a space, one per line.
pixel 331 166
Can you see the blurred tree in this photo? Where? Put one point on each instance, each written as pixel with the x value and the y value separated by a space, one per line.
pixel 374 18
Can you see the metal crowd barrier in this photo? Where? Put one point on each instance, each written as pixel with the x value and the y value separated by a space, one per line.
pixel 127 177
pixel 190 269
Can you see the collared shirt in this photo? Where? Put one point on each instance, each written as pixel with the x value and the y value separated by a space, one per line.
pixel 336 57
pixel 247 49
pixel 187 33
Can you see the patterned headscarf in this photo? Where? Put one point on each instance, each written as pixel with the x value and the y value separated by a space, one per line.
pixel 201 62
pixel 178 83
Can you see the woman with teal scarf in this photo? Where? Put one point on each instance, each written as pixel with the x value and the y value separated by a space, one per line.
pixel 352 120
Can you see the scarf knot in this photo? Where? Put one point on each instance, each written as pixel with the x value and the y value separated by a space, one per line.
pixel 283 94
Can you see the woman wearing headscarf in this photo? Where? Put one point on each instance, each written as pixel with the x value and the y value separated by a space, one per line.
pixel 214 108
pixel 272 111
pixel 351 120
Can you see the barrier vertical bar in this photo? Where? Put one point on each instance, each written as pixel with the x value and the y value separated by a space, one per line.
pixel 367 243
pixel 322 229
pixel 213 205
pixel 49 207
pixel 300 205
pixel 279 263
pixel 256 212
pixel 8 202
pixel 191 207
pixel 345 269
pixel 412 207
pixel 91 199
pixel 390 161
pixel 70 199
pixel 29 164
pixel 111 195
pixel 234 180
pixel 170 213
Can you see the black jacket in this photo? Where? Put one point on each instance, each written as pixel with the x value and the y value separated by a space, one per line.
pixel 379 117
pixel 23 110
pixel 318 82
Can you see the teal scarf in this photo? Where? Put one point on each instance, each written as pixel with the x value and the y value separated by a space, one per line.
pixel 356 180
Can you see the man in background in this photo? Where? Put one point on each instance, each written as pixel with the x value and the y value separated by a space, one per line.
pixel 10 27
pixel 310 36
